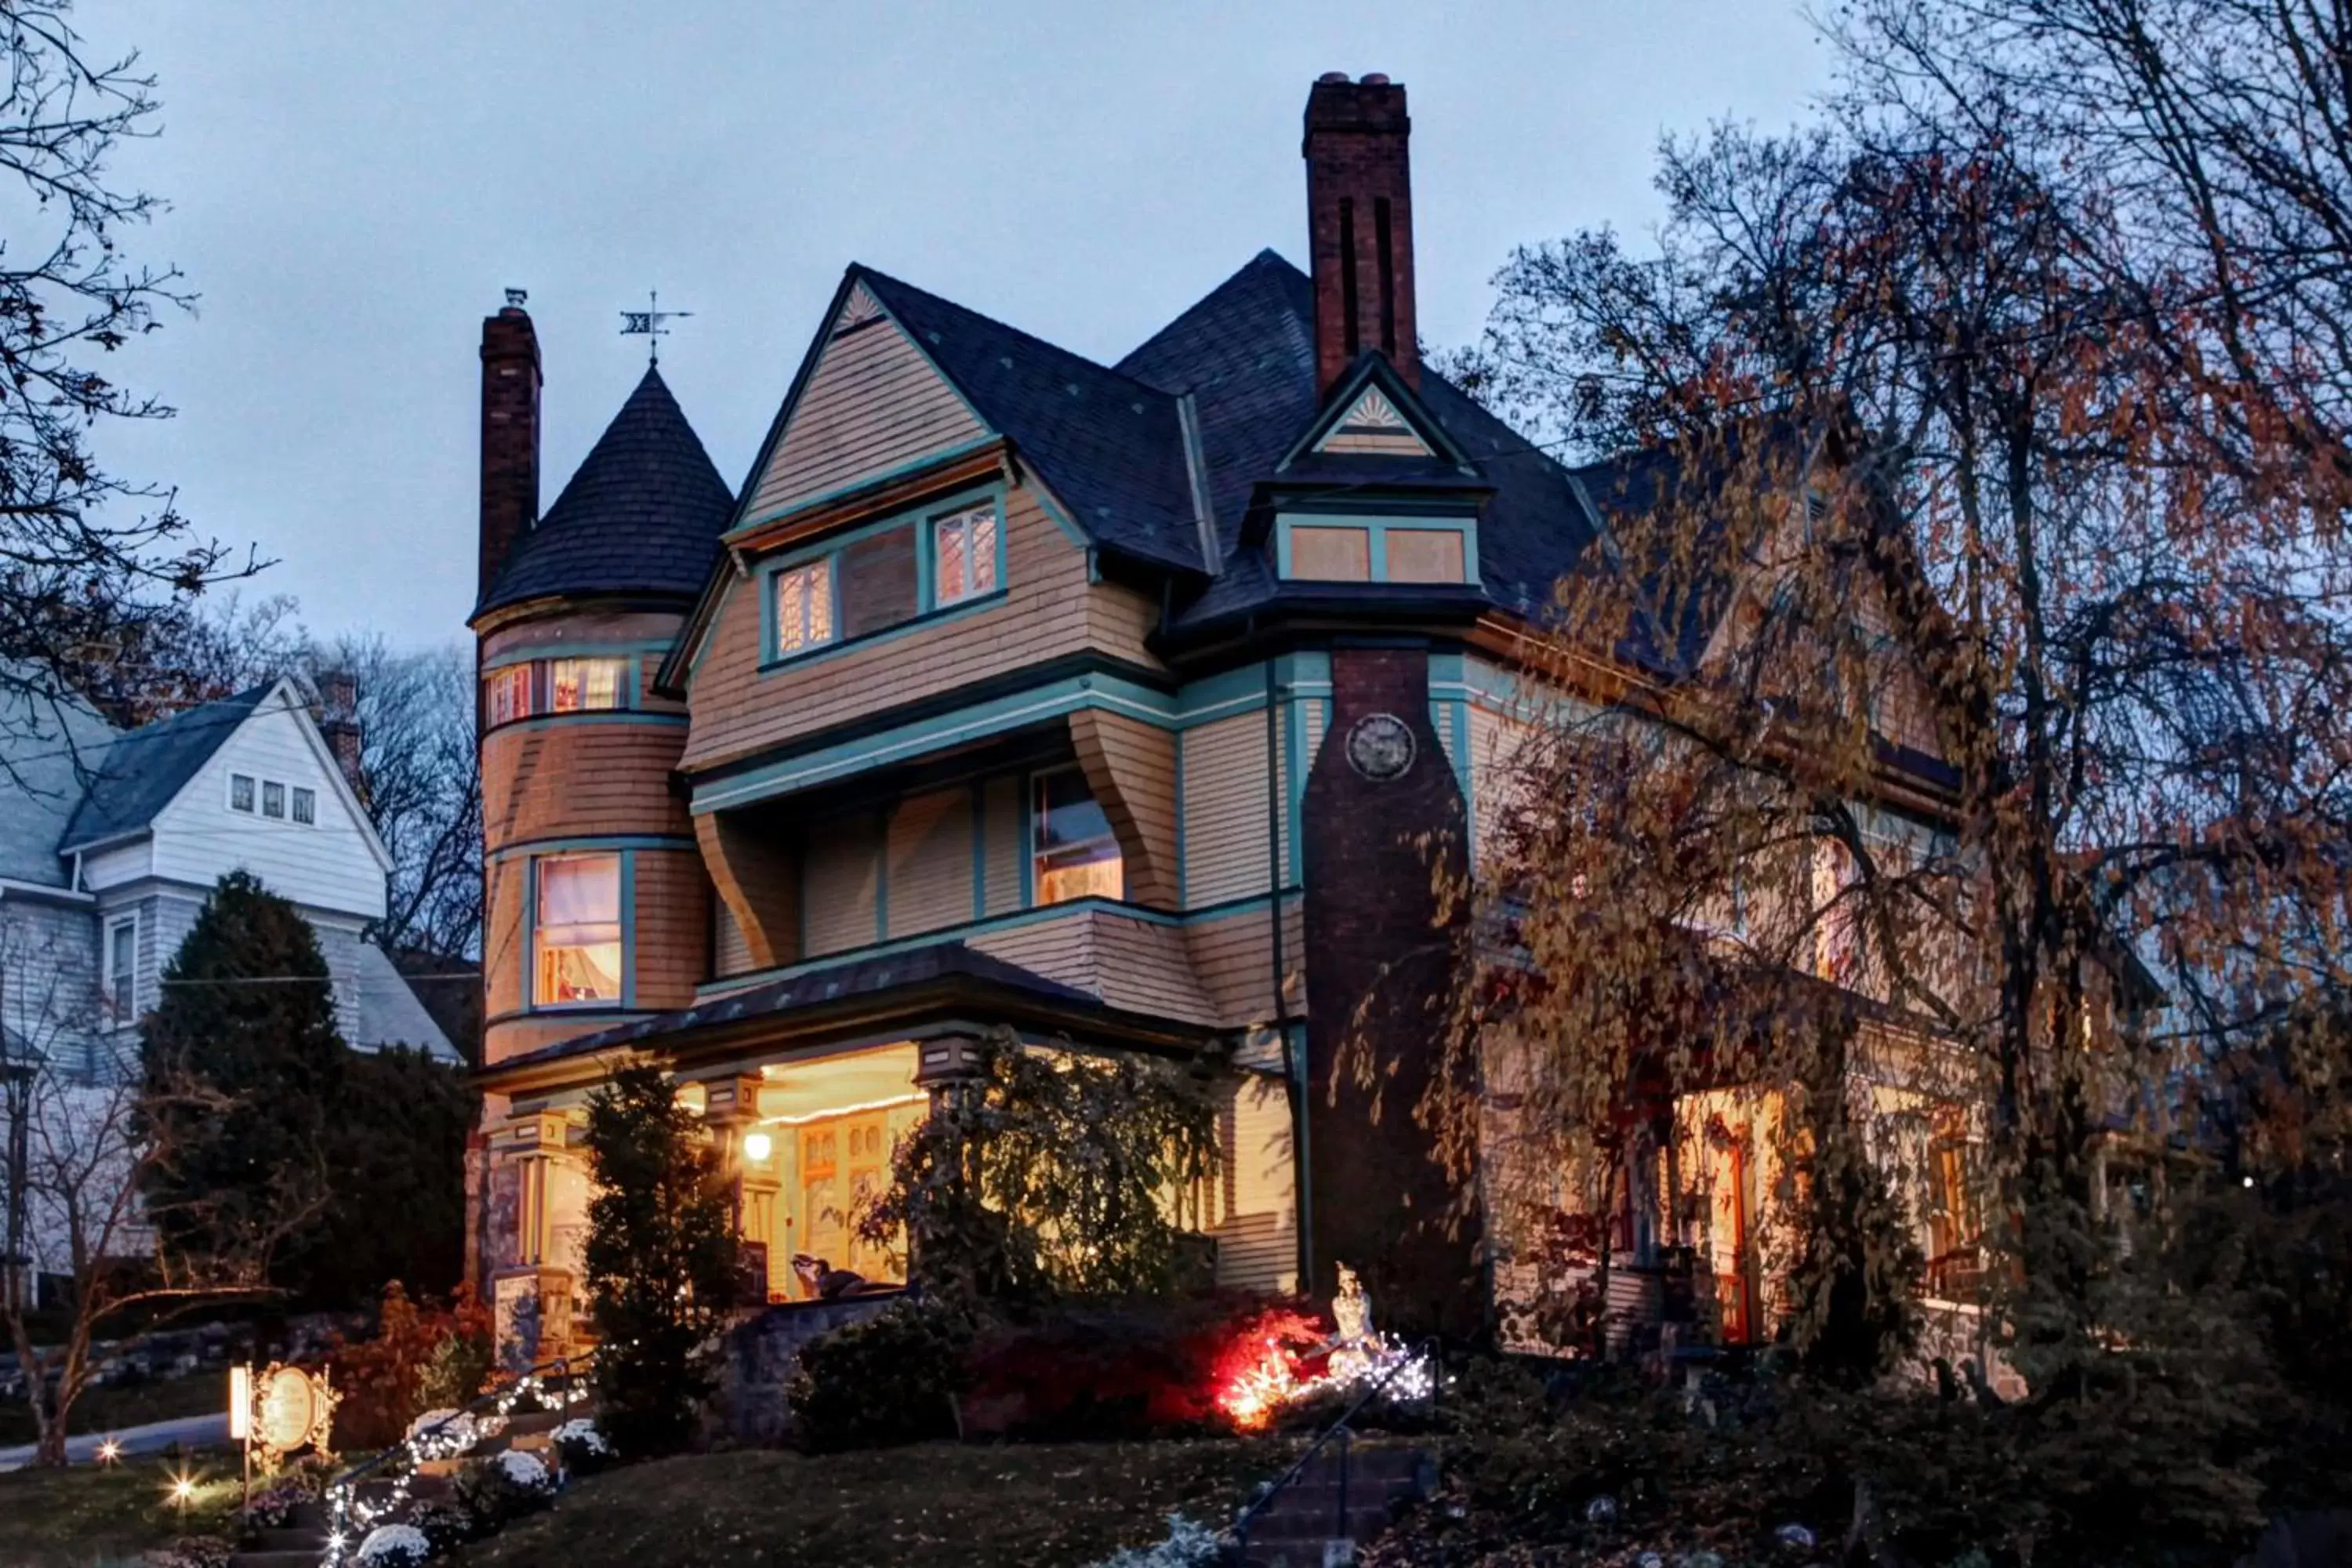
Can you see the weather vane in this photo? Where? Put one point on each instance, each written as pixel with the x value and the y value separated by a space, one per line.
pixel 647 324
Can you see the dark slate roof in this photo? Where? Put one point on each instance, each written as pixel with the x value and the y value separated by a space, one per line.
pixel 853 978
pixel 642 513
pixel 137 775
pixel 1111 446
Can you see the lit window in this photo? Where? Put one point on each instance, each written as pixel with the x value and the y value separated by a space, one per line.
pixel 506 694
pixel 966 545
pixel 306 805
pixel 804 608
pixel 576 685
pixel 122 967
pixel 1076 853
pixel 576 932
pixel 240 792
pixel 273 799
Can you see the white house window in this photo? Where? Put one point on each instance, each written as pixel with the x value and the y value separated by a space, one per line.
pixel 240 792
pixel 576 930
pixel 306 805
pixel 273 799
pixel 122 967
pixel 965 546
pixel 804 608
pixel 582 685
pixel 1076 853
pixel 506 694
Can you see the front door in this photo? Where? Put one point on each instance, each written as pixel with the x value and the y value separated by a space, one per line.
pixel 845 1164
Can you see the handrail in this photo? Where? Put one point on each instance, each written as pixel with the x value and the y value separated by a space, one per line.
pixel 337 1491
pixel 1426 1350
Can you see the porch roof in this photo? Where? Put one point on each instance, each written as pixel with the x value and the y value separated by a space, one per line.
pixel 940 984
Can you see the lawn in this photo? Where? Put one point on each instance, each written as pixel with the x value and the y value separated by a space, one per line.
pixel 1029 1506
pixel 130 1405
pixel 92 1516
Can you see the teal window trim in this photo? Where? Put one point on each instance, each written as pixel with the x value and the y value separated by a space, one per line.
pixel 924 520
pixel 626 872
pixel 573 650
pixel 1377 526
pixel 1028 814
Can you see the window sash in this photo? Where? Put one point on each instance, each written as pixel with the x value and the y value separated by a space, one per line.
pixel 240 792
pixel 584 685
pixel 805 606
pixel 123 966
pixel 1075 853
pixel 964 546
pixel 576 930
pixel 306 806
pixel 508 694
pixel 273 799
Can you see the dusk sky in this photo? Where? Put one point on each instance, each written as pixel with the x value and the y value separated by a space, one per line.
pixel 353 185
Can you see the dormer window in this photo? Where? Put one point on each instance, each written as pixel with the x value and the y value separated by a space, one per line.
pixel 804 608
pixel 1311 549
pixel 964 555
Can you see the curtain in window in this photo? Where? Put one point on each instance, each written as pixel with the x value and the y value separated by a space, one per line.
pixel 579 929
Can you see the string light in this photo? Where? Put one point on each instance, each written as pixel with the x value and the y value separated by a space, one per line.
pixel 110 1451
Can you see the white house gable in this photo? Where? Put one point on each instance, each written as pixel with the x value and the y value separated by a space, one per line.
pixel 245 809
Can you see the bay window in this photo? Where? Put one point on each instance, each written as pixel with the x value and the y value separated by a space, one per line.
pixel 1075 853
pixel 576 930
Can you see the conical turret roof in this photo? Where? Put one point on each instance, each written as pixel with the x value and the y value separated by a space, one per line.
pixel 642 515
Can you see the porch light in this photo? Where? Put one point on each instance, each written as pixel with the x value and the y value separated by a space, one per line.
pixel 756 1147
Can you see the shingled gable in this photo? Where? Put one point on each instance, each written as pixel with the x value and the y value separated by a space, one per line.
pixel 1373 419
pixel 641 515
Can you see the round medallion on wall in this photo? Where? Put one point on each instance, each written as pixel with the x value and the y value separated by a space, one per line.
pixel 1380 747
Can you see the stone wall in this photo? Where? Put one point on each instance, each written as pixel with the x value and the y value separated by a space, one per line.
pixel 764 1350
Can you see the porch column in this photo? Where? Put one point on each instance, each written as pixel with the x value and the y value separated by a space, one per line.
pixel 731 1110
pixel 946 1068
pixel 531 1300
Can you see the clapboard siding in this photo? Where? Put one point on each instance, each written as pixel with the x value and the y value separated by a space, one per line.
pixel 732 955
pixel 843 863
pixel 1002 807
pixel 670 941
pixel 1258 1245
pixel 1061 949
pixel 505 888
pixel 1130 766
pixel 580 778
pixel 1498 757
pixel 874 404
pixel 1225 809
pixel 1049 611
pixel 931 862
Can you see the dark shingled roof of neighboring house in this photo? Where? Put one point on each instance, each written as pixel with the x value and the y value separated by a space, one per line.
pixel 139 774
pixel 642 514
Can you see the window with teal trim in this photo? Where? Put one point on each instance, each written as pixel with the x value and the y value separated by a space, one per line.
pixel 805 606
pixel 575 931
pixel 964 556
pixel 1312 549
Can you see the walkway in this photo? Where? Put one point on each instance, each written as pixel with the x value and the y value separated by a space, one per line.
pixel 188 1432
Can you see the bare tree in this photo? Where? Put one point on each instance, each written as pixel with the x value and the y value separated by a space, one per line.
pixel 94 1128
pixel 89 560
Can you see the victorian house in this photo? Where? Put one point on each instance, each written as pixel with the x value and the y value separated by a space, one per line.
pixel 1111 704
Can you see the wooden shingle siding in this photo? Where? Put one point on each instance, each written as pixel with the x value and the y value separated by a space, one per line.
pixel 1061 949
pixel 1047 612
pixel 517 1036
pixel 757 872
pixel 579 778
pixel 1002 835
pixel 872 404
pixel 878 581
pixel 931 862
pixel 1146 967
pixel 671 938
pixel 552 637
pixel 1233 962
pixel 1224 810
pixel 1130 766
pixel 840 885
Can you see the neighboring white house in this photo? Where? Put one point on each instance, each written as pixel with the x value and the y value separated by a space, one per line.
pixel 110 842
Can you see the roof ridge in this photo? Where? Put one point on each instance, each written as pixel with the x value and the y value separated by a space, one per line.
pixel 1266 259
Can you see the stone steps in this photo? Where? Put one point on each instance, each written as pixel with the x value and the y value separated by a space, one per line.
pixel 1304 1526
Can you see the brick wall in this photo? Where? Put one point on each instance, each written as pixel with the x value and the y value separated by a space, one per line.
pixel 1375 961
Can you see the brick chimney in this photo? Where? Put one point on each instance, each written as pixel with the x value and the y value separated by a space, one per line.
pixel 338 725
pixel 1359 225
pixel 510 381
